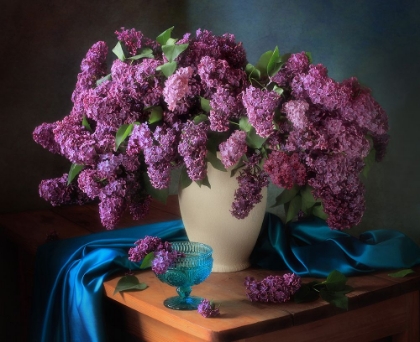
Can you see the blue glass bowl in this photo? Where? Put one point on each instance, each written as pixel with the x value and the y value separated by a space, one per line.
pixel 191 269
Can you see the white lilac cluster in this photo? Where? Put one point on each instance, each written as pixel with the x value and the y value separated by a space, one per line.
pixel 166 103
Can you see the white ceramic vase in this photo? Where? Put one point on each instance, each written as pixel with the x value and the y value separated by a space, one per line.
pixel 206 216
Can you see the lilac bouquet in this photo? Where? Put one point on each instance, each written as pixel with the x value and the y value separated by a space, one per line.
pixel 170 104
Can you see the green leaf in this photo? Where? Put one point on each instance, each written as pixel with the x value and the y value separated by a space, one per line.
pixel 337 299
pixel 278 90
pixel 168 68
pixel 263 63
pixel 306 293
pixel 215 162
pixel 294 207
pixel 244 124
pixel 86 124
pixel 286 196
pixel 200 118
pixel 238 166
pixel 147 260
pixel 118 51
pixel 308 200
pixel 171 41
pixel 184 180
pixel 214 139
pixel 156 114
pixel 164 36
pixel 254 140
pixel 335 281
pixel 309 55
pixel 129 282
pixel 205 104
pixel 204 182
pixel 173 51
pixel 275 63
pixel 123 132
pixel 103 79
pixel 401 273
pixel 74 171
pixel 369 161
pixel 318 210
pixel 144 53
pixel 333 290
pixel 252 72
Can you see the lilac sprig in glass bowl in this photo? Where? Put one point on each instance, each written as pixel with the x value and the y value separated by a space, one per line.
pixel 152 252
pixel 192 268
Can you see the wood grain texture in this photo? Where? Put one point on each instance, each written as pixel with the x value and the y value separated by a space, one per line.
pixel 379 306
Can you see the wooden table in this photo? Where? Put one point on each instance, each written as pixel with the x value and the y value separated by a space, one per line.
pixel 380 307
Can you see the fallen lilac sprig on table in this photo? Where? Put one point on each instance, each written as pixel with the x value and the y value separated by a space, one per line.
pixel 208 309
pixel 275 289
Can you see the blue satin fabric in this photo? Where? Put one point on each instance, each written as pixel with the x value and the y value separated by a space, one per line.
pixel 67 302
pixel 69 273
pixel 311 248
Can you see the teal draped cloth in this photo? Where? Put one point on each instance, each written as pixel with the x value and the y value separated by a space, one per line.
pixel 69 273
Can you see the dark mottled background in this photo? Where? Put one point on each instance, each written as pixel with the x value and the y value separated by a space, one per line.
pixel 378 41
pixel 43 42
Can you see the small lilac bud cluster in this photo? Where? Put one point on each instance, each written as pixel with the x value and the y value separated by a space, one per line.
pixel 164 255
pixel 275 289
pixel 208 309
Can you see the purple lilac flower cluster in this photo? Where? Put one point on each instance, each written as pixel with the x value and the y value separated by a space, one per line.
pixel 285 170
pixel 251 180
pixel 57 192
pixel 208 309
pixel 327 139
pixel 233 148
pixel 151 111
pixel 193 149
pixel 276 289
pixel 164 255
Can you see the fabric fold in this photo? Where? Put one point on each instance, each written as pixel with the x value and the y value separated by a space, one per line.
pixel 311 248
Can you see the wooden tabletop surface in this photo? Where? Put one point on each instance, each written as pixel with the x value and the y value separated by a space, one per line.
pixel 241 318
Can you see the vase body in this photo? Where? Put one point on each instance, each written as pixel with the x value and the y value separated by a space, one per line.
pixel 207 218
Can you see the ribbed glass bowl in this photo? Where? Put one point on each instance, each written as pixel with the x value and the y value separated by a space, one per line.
pixel 189 270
